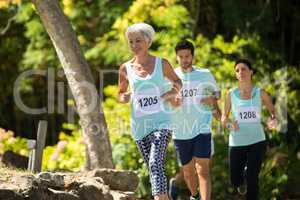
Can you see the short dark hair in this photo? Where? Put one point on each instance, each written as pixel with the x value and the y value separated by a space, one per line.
pixel 185 45
pixel 244 61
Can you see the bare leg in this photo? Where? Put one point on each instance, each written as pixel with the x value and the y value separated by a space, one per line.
pixel 190 177
pixel 161 197
pixel 203 170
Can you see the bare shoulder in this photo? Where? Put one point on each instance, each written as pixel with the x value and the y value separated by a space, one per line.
pixel 264 94
pixel 122 67
pixel 165 62
pixel 166 65
pixel 127 62
pixel 122 70
pixel 263 91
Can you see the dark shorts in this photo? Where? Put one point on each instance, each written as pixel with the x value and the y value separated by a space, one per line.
pixel 199 146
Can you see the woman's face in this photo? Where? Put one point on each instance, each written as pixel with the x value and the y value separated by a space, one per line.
pixel 137 43
pixel 242 72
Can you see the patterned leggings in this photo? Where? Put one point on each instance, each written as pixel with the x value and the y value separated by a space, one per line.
pixel 153 148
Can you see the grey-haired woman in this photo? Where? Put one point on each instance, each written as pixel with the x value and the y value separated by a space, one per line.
pixel 145 75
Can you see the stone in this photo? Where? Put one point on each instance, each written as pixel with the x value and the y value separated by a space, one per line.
pixel 117 179
pixel 93 190
pixel 10 195
pixel 11 159
pixel 51 179
pixel 66 186
pixel 121 195
pixel 62 195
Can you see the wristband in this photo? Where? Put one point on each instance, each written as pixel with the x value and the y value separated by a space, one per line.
pixel 229 125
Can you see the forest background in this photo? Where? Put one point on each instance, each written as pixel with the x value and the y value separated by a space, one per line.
pixel 265 31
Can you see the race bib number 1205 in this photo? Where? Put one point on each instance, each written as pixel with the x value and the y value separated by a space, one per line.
pixel 147 102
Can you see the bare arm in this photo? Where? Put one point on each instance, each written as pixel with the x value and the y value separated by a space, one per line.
pixel 227 108
pixel 171 76
pixel 216 111
pixel 267 101
pixel 213 102
pixel 226 122
pixel 123 96
pixel 172 95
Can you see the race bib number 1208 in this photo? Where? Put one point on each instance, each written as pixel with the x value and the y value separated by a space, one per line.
pixel 248 114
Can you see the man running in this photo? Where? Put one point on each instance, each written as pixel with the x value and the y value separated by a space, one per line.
pixel 192 121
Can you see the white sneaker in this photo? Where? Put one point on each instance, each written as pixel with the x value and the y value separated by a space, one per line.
pixel 193 198
pixel 242 190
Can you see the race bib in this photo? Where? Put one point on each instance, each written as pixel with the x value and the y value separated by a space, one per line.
pixel 248 114
pixel 147 102
pixel 191 93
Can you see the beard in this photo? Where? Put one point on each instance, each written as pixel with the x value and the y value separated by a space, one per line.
pixel 186 65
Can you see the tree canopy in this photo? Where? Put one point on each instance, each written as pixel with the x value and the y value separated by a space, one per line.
pixel 266 32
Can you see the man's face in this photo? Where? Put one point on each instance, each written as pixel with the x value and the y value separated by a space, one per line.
pixel 184 58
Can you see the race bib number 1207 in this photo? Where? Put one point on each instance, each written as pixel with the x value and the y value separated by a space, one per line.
pixel 191 93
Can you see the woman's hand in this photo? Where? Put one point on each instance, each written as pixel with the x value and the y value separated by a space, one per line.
pixel 272 123
pixel 233 126
pixel 176 101
pixel 172 97
pixel 124 97
pixel 227 123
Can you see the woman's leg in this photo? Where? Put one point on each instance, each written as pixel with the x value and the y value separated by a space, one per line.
pixel 144 147
pixel 237 163
pixel 158 152
pixel 255 157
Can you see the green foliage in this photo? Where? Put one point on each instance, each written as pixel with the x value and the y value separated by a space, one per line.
pixel 68 154
pixel 160 14
pixel 274 175
pixel 100 27
pixel 246 16
pixel 10 143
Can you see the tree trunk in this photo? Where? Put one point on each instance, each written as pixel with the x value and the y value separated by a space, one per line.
pixel 205 16
pixel 80 82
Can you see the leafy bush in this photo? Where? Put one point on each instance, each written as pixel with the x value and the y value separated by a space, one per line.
pixel 10 143
pixel 68 154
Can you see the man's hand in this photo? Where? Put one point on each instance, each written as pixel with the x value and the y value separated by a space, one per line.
pixel 209 101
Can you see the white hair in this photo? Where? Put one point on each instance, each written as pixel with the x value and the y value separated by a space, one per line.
pixel 145 29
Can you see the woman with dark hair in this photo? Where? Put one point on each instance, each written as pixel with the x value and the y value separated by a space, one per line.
pixel 247 143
